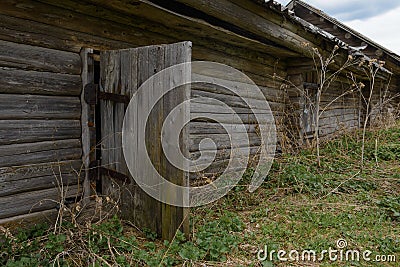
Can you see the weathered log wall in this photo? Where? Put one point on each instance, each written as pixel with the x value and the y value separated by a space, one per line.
pixel 40 80
pixel 40 129
pixel 340 107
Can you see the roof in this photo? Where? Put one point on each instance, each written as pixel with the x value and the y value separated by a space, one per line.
pixel 342 32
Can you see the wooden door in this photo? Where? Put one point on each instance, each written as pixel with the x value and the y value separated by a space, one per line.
pixel 121 74
pixel 309 115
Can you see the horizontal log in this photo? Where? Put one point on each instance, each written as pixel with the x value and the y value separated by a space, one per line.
pixel 338 112
pixel 26 221
pixel 227 118
pixel 91 212
pixel 14 81
pixel 15 173
pixel 254 68
pixel 270 93
pixel 214 171
pixel 240 17
pixel 32 153
pixel 198 106
pixel 43 182
pixel 221 154
pixel 29 57
pixel 209 127
pixel 237 102
pixel 337 123
pixel 339 118
pixel 44 35
pixel 35 201
pixel 25 131
pixel 39 107
pixel 222 141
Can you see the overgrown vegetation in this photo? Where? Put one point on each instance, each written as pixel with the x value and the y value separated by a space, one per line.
pixel 300 206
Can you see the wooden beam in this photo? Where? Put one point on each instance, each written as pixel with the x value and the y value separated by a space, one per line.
pixel 15 81
pixel 35 201
pixel 39 107
pixel 29 57
pixel 26 131
pixel 33 153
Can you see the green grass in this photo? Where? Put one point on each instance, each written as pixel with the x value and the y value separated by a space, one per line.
pixel 299 207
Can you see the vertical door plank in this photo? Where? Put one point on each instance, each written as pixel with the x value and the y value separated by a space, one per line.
pixel 122 72
pixel 87 77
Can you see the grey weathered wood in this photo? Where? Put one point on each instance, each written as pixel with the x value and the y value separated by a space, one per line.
pixel 174 218
pixel 16 29
pixel 270 93
pixel 38 183
pixel 226 118
pixel 15 106
pixel 198 105
pixel 87 78
pixel 236 101
pixel 209 127
pixel 221 154
pixel 16 223
pixel 35 201
pixel 29 57
pixel 26 131
pixel 31 153
pixel 144 18
pixel 123 71
pixel 15 173
pixel 222 141
pixel 228 11
pixel 15 81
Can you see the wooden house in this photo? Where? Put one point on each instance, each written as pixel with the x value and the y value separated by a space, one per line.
pixel 57 131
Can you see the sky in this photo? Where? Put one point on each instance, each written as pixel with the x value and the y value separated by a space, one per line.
pixel 377 19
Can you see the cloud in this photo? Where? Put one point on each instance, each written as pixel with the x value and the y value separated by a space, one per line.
pixel 381 29
pixel 377 19
pixel 352 9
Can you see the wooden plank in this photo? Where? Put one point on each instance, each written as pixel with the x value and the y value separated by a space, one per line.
pixel 14 81
pixel 174 218
pixel 31 153
pixel 39 107
pixel 209 127
pixel 255 68
pixel 151 60
pixel 222 141
pixel 29 57
pixel 236 103
pixel 35 201
pixel 38 183
pixel 270 93
pixel 230 119
pixel 87 77
pixel 15 173
pixel 26 131
pixel 78 22
pixel 156 19
pixel 221 154
pixel 51 36
pixel 245 19
pixel 25 221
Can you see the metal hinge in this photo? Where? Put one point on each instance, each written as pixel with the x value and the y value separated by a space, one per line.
pixel 92 95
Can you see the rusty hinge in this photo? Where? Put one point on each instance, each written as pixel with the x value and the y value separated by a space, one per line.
pixel 96 171
pixel 92 94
